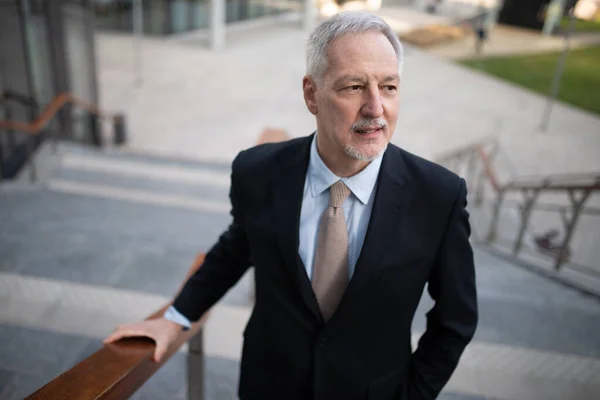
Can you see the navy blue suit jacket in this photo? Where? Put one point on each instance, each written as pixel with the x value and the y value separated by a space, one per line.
pixel 418 234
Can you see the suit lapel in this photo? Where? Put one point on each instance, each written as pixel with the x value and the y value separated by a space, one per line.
pixel 392 196
pixel 289 189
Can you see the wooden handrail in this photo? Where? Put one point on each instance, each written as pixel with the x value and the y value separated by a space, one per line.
pixel 590 177
pixel 559 182
pixel 118 369
pixel 550 186
pixel 49 112
pixel 578 187
pixel 488 168
pixel 466 149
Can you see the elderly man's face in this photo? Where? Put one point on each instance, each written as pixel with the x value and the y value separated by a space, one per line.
pixel 357 102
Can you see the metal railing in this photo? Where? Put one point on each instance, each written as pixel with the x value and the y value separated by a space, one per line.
pixel 9 127
pixel 570 194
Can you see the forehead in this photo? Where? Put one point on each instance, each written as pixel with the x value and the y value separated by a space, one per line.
pixel 368 52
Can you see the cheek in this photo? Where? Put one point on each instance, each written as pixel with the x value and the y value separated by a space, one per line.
pixel 345 112
pixel 392 105
pixel 391 114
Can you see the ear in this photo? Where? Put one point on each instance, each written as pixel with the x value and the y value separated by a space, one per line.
pixel 309 88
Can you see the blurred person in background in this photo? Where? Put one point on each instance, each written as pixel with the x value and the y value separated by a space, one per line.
pixel 345 231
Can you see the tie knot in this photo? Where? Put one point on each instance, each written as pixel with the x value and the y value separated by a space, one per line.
pixel 338 192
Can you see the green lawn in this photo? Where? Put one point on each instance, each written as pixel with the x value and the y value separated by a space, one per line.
pixel 580 83
pixel 581 25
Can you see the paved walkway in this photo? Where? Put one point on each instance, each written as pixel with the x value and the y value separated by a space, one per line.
pixel 205 105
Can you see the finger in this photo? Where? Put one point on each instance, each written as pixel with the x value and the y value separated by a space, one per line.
pixel 160 351
pixel 123 333
pixel 113 337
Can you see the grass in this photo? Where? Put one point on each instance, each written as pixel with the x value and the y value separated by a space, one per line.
pixel 580 85
pixel 581 25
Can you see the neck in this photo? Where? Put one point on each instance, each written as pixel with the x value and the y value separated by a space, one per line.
pixel 339 162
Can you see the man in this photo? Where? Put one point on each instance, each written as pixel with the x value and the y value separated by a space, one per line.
pixel 344 231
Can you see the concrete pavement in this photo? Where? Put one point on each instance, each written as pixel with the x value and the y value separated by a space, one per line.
pixel 204 105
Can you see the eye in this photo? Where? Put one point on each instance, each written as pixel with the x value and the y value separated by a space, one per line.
pixel 390 88
pixel 353 88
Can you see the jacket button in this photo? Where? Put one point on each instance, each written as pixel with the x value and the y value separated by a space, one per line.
pixel 322 341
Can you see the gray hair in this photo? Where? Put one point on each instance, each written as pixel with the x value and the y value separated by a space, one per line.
pixel 349 22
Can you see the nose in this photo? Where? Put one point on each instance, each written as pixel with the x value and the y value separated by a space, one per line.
pixel 372 106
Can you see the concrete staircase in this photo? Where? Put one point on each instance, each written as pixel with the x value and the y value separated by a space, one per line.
pixel 106 237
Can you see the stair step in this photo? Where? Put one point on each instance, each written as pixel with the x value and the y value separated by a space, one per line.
pixel 150 197
pixel 125 154
pixel 151 185
pixel 144 169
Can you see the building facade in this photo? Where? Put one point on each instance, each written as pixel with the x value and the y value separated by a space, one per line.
pixel 46 48
pixel 165 17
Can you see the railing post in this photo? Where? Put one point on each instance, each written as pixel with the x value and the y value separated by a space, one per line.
pixel 471 170
pixel 525 216
pixel 54 132
pixel 30 160
pixel 1 162
pixel 480 188
pixel 491 236
pixel 95 129
pixel 10 133
pixel 195 364
pixel 577 206
pixel 9 136
pixel 119 129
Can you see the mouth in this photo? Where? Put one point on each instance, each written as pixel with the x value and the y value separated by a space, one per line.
pixel 369 131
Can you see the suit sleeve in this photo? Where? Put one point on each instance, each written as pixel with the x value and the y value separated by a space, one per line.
pixel 224 264
pixel 452 321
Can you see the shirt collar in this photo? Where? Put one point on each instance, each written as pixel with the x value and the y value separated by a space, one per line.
pixel 321 177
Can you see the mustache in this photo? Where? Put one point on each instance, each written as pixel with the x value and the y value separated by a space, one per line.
pixel 369 123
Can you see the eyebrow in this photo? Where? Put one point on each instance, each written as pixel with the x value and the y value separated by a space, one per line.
pixel 355 78
pixel 349 78
pixel 390 78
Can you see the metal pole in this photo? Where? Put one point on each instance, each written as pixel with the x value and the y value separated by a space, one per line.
pixel 119 129
pixel 195 370
pixel 138 33
pixel 530 200
pixel 491 236
pixel 30 155
pixel 553 16
pixel 560 68
pixel 577 207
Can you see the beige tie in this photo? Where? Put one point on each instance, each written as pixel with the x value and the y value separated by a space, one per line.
pixel 330 272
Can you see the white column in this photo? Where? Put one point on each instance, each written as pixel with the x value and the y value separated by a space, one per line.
pixel 138 34
pixel 217 24
pixel 420 4
pixel 310 15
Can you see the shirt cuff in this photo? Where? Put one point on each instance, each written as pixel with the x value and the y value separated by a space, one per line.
pixel 175 316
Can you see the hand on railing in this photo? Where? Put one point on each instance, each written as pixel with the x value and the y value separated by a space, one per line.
pixel 162 331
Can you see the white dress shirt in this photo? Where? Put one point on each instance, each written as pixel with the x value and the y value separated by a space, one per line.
pixel 357 207
pixel 357 210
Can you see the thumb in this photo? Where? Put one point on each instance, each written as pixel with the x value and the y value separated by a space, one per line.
pixel 161 350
